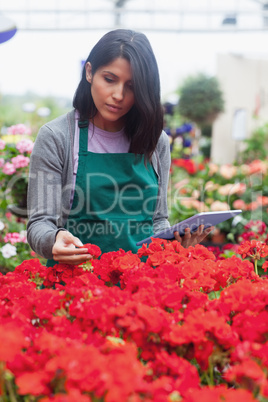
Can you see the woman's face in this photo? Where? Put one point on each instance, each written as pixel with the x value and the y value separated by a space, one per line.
pixel 112 92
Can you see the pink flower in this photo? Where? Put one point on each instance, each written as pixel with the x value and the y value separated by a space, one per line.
pixel 252 206
pixel 8 215
pixel 228 171
pixel 9 168
pixel 2 162
pixel 20 129
pixel 20 161
pixel 219 206
pixel 257 166
pixel 25 146
pixel 2 144
pixel 213 168
pixel 239 204
pixel 262 200
pixel 14 238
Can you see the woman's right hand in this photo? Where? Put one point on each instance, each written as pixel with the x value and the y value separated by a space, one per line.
pixel 68 249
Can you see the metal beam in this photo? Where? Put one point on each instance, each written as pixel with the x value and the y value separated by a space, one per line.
pixel 183 12
pixel 148 29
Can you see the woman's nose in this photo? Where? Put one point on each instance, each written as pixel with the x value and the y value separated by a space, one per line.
pixel 118 93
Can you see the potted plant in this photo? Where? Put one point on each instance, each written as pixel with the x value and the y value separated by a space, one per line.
pixel 201 101
pixel 15 149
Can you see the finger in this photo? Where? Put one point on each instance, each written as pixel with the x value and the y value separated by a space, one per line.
pixel 200 238
pixel 72 260
pixel 177 236
pixel 66 237
pixel 204 234
pixel 187 238
pixel 200 230
pixel 70 239
pixel 187 233
pixel 77 242
pixel 69 251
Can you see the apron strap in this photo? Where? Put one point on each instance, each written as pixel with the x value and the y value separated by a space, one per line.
pixel 83 123
pixel 83 135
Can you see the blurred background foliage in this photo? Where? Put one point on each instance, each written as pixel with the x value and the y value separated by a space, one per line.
pixel 28 108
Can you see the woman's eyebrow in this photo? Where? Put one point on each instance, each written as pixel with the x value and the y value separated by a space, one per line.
pixel 116 76
pixel 109 72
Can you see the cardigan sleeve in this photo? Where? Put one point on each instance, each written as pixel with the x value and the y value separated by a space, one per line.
pixel 163 161
pixel 46 200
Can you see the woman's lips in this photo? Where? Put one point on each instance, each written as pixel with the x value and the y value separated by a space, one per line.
pixel 113 108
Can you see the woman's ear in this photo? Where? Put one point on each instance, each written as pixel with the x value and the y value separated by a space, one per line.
pixel 88 72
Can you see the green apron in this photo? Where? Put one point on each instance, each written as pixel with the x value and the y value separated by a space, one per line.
pixel 114 199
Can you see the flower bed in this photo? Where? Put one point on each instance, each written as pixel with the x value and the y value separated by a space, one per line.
pixel 200 187
pixel 165 324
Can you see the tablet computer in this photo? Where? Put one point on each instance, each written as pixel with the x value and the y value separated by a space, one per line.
pixel 203 218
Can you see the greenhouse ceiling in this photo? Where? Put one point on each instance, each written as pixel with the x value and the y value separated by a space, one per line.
pixel 145 15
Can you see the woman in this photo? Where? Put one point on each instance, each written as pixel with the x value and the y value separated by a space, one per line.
pixel 99 174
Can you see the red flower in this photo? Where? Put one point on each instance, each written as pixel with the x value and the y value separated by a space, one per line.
pixel 251 326
pixel 174 366
pixel 73 395
pixel 219 394
pixel 200 252
pixel 254 249
pixel 127 261
pixel 256 226
pixel 34 383
pixel 265 266
pixel 156 245
pixel 94 250
pixel 187 164
pixel 248 374
pixel 12 341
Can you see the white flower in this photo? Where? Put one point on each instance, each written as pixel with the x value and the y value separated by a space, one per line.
pixel 23 236
pixel 2 225
pixel 8 250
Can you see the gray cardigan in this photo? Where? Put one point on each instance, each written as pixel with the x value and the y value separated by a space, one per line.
pixel 51 183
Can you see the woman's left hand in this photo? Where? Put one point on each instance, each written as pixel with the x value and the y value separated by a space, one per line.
pixel 191 239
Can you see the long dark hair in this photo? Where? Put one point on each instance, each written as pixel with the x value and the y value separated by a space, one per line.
pixel 144 122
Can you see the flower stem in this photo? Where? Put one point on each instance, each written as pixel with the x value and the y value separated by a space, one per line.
pixel 211 374
pixel 11 391
pixel 256 266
